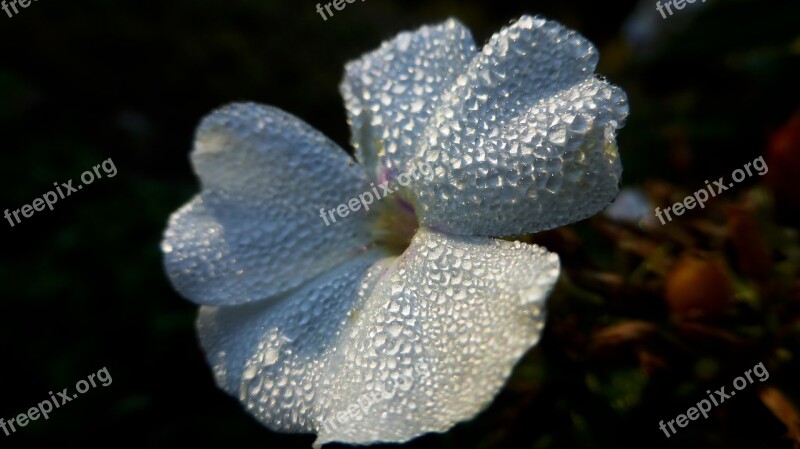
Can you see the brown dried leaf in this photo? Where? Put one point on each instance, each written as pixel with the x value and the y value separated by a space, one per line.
pixel 625 332
pixel 783 409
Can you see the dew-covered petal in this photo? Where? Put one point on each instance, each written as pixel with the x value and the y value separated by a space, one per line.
pixel 272 355
pixel 255 231
pixel 525 140
pixel 382 348
pixel 437 338
pixel 391 92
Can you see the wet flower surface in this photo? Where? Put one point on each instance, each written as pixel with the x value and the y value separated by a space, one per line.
pixel 300 320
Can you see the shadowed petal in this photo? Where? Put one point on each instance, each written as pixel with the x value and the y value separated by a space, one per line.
pixel 255 231
pixel 274 355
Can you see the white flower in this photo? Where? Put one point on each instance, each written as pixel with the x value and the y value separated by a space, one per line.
pixel 299 320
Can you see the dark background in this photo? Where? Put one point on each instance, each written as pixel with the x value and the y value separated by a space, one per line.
pixel 83 286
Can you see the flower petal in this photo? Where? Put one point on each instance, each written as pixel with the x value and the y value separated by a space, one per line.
pixel 453 315
pixel 437 338
pixel 272 355
pixel 256 229
pixel 391 92
pixel 525 140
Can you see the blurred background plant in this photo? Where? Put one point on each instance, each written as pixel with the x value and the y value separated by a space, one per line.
pixel 645 319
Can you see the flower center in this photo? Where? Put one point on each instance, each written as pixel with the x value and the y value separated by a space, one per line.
pixel 395 225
